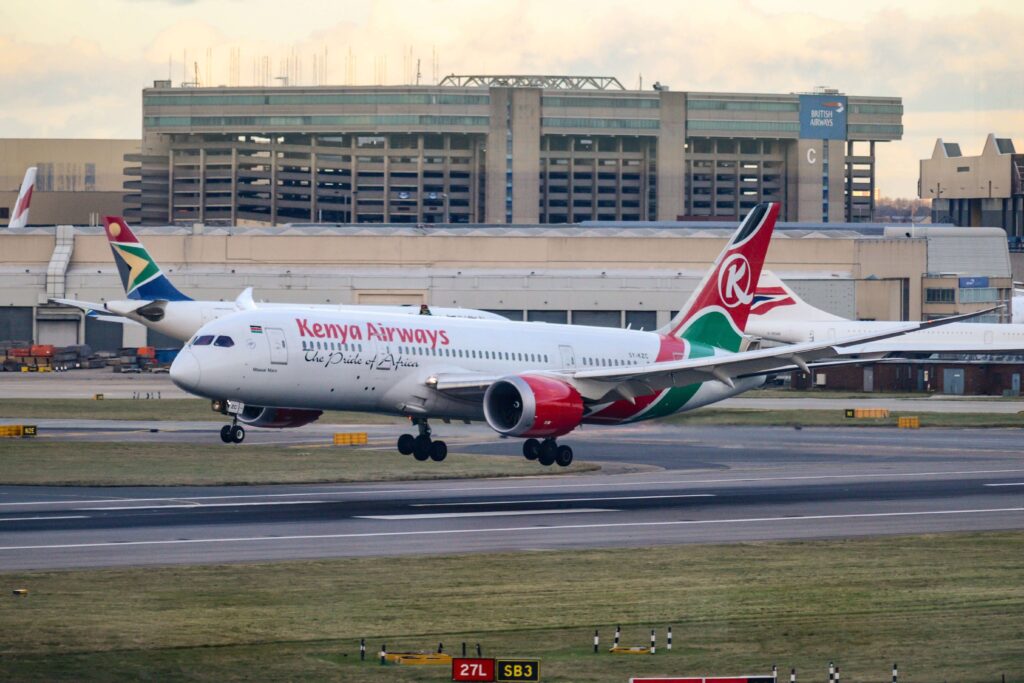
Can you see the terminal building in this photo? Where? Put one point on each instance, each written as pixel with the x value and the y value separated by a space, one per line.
pixel 984 190
pixel 501 150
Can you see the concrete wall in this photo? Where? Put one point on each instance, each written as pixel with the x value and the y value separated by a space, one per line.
pixel 68 158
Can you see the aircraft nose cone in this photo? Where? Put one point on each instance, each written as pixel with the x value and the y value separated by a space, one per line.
pixel 185 371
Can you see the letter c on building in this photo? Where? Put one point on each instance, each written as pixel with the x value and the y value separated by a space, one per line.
pixel 812 155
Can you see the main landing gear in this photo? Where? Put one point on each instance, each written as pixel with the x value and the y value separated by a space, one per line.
pixel 547 452
pixel 232 433
pixel 422 447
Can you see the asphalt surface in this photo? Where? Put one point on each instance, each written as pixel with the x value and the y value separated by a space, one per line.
pixel 700 485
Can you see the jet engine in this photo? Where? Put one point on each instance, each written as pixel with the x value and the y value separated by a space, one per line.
pixel 532 406
pixel 277 418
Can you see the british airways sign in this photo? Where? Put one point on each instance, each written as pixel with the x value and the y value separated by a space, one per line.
pixel 823 117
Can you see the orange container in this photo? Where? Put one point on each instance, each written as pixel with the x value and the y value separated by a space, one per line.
pixel 19 353
pixel 42 350
pixel 147 351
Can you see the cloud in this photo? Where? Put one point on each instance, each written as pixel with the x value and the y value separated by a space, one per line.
pixel 958 61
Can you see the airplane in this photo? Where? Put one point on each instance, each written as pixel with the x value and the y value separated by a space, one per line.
pixel 531 380
pixel 778 314
pixel 153 300
pixel 19 216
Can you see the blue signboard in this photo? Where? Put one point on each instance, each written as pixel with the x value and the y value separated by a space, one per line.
pixel 823 117
pixel 973 282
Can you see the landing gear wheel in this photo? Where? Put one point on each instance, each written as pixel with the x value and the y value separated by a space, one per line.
pixel 406 444
pixel 421 449
pixel 438 451
pixel 225 433
pixel 563 456
pixel 237 434
pixel 531 449
pixel 548 450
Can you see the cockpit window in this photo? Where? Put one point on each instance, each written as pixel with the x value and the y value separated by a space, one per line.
pixel 224 340
pixel 203 340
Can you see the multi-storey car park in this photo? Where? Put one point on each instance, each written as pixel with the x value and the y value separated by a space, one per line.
pixel 501 149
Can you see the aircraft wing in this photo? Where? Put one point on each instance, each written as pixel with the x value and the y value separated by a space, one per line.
pixel 599 384
pixel 96 311
pixel 627 382
pixel 84 305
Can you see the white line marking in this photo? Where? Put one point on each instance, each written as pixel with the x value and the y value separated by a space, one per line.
pixel 1016 483
pixel 492 513
pixel 559 500
pixel 513 487
pixel 200 506
pixel 27 519
pixel 440 532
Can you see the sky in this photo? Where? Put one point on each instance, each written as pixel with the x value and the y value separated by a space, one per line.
pixel 76 69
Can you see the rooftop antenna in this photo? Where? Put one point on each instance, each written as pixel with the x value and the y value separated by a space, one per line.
pixel 418 72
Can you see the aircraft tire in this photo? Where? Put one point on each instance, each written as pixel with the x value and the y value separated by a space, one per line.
pixel 406 444
pixel 225 434
pixel 237 434
pixel 422 449
pixel 438 451
pixel 563 456
pixel 548 450
pixel 531 449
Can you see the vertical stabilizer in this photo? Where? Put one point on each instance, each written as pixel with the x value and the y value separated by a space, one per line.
pixel 19 216
pixel 774 300
pixel 140 274
pixel 717 312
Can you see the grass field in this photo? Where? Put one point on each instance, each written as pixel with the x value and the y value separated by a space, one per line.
pixel 836 418
pixel 42 461
pixel 195 409
pixel 947 608
pixel 185 409
pixel 779 392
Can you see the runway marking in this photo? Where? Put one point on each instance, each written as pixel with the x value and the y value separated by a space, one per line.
pixel 1016 483
pixel 199 506
pixel 512 487
pixel 492 513
pixel 559 500
pixel 28 519
pixel 498 530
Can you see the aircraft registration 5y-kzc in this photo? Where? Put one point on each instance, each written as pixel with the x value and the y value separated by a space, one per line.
pixel 536 381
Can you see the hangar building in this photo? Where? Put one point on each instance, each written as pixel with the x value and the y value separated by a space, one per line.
pixel 598 275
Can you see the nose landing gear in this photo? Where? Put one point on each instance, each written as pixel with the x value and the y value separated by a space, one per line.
pixel 422 447
pixel 232 433
pixel 547 452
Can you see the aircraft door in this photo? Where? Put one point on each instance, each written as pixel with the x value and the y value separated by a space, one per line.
pixel 568 357
pixel 278 346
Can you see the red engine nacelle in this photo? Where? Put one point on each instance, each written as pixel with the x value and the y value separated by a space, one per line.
pixel 277 418
pixel 534 406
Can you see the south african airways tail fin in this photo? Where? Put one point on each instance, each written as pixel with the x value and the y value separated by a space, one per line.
pixel 140 274
pixel 717 312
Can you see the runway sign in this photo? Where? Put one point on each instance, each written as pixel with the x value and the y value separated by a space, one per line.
pixel 472 669
pixel 513 670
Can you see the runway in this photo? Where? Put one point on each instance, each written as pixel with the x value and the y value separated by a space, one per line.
pixel 702 485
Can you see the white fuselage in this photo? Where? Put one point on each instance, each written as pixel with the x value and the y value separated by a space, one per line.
pixel 349 360
pixel 952 338
pixel 181 319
